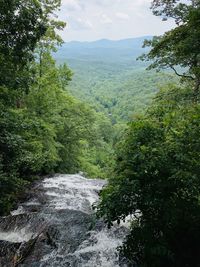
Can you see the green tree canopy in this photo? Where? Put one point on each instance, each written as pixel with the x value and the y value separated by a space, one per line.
pixel 179 47
pixel 156 181
pixel 21 26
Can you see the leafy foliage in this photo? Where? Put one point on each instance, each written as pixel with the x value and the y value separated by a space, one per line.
pixel 112 80
pixel 43 128
pixel 156 178
pixel 179 46
pixel 157 182
pixel 21 27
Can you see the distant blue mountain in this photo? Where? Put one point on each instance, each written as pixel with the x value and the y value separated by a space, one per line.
pixel 108 76
pixel 102 50
pixel 106 43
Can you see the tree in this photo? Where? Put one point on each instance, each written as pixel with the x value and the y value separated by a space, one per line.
pixel 179 47
pixel 21 26
pixel 65 75
pixel 33 105
pixel 51 40
pixel 156 181
pixel 156 178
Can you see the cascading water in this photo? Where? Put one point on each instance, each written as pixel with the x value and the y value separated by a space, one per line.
pixel 56 228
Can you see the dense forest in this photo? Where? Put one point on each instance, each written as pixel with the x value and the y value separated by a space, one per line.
pixel 113 81
pixel 109 118
pixel 44 129
pixel 156 176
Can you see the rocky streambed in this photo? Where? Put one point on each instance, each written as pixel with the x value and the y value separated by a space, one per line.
pixel 56 227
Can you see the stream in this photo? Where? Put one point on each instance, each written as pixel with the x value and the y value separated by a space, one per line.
pixel 56 227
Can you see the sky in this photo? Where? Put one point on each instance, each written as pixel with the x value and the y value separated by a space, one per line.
pixel 89 20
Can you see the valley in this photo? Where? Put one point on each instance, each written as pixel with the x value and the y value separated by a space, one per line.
pixel 108 76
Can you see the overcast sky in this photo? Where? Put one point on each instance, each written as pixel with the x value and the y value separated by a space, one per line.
pixel 89 20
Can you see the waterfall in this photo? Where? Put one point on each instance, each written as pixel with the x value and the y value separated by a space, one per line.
pixel 56 227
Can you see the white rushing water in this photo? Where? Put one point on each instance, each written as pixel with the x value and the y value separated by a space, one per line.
pixel 64 204
pixel 73 192
pixel 17 236
pixel 102 251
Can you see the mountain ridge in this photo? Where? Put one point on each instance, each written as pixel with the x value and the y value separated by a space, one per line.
pixel 127 42
pixel 108 76
pixel 104 50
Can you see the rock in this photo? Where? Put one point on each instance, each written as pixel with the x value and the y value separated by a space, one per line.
pixel 7 253
pixel 55 227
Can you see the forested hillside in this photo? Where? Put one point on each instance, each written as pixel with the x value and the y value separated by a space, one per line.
pixel 44 129
pixel 108 75
pixel 156 179
pixel 92 107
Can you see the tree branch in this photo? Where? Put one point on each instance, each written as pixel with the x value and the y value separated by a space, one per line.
pixel 181 75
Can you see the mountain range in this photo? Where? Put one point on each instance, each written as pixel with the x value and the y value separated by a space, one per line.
pixel 103 50
pixel 108 76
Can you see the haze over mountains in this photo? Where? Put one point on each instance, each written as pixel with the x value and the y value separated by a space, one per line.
pixel 103 49
pixel 108 76
pixel 133 43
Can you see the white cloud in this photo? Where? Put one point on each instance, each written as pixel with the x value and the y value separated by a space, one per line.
pixel 105 19
pixel 112 19
pixel 71 5
pixel 122 16
pixel 79 24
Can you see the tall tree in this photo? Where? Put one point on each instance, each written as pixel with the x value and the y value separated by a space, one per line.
pixel 179 47
pixel 22 24
pixel 157 171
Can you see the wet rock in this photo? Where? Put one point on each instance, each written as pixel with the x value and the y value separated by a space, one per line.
pixel 55 227
pixel 24 250
pixel 11 222
pixel 36 252
pixel 7 253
